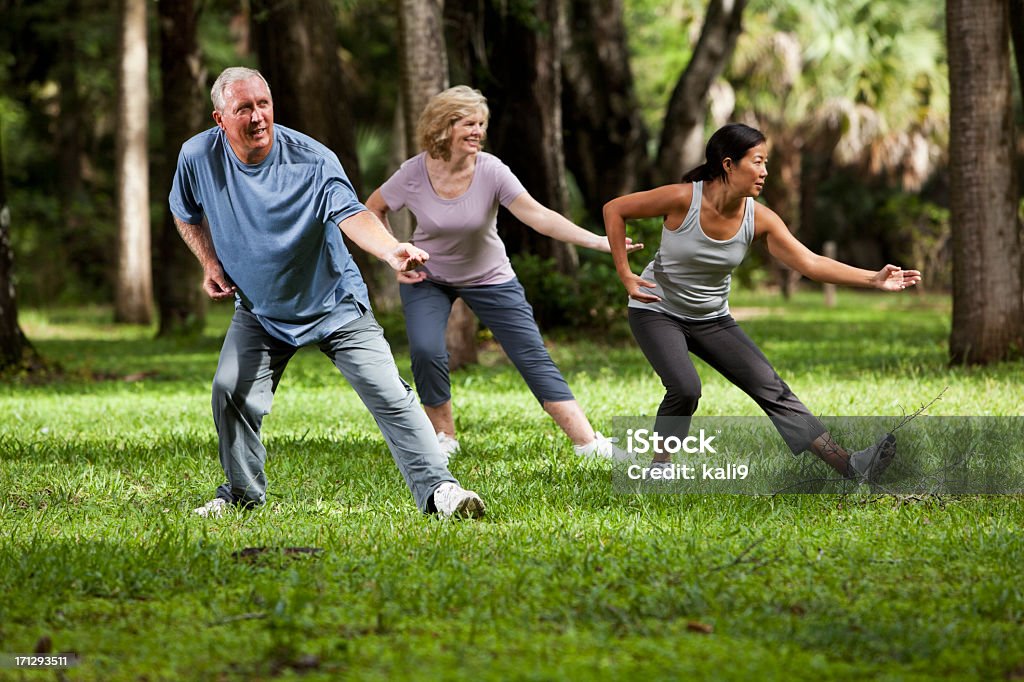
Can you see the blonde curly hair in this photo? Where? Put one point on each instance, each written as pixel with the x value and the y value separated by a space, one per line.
pixel 434 129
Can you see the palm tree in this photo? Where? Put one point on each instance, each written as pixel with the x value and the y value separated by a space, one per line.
pixel 849 82
pixel 988 301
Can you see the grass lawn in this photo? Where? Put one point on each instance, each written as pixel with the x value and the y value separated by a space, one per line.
pixel 564 578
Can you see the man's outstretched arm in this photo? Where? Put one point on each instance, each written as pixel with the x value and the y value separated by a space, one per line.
pixel 369 234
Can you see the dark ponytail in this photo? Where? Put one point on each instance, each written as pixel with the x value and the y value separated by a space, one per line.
pixel 729 142
pixel 698 174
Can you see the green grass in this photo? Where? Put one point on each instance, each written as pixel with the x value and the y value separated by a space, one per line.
pixel 564 579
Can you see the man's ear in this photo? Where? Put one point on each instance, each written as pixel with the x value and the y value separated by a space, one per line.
pixel 217 118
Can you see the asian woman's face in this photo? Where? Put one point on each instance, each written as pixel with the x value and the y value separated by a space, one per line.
pixel 749 173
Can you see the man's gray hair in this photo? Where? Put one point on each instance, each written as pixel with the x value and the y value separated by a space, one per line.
pixel 232 74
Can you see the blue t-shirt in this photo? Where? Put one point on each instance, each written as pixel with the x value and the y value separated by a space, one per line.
pixel 275 228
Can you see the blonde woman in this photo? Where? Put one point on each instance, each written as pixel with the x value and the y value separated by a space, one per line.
pixel 453 188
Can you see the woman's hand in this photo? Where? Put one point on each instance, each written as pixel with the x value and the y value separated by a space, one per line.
pixel 894 278
pixel 637 286
pixel 410 276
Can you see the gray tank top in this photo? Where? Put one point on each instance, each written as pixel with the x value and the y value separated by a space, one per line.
pixel 694 271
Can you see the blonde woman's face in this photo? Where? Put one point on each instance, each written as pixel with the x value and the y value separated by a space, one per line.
pixel 468 134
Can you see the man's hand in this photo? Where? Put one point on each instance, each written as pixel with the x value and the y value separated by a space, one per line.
pixel 217 284
pixel 405 257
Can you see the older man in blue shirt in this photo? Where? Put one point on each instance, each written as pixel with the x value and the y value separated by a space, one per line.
pixel 260 206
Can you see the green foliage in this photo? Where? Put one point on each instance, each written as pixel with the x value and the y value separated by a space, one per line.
pixel 61 232
pixel 223 35
pixel 563 579
pixel 920 232
pixel 862 51
pixel 591 298
pixel 877 224
pixel 524 12
pixel 662 35
pixel 373 150
pixel 58 262
pixel 368 36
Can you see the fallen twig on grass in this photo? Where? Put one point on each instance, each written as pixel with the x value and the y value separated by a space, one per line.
pixel 742 559
pixel 918 412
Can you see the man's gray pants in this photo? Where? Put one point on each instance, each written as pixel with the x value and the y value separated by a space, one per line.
pixel 250 368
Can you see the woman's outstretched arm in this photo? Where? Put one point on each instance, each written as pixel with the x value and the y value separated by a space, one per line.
pixel 555 225
pixel 788 249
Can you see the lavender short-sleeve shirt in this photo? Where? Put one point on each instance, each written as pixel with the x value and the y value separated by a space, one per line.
pixel 460 234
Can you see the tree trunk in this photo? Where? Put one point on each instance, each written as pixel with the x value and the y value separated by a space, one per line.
pixel 70 131
pixel 1017 33
pixel 801 158
pixel 134 294
pixel 1017 38
pixel 424 61
pixel 512 52
pixel 526 118
pixel 180 298
pixel 14 347
pixel 605 136
pixel 466 44
pixel 782 193
pixel 401 222
pixel 299 56
pixel 988 308
pixel 682 137
pixel 424 74
pixel 298 53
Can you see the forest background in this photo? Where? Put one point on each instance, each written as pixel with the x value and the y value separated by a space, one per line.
pixel 589 100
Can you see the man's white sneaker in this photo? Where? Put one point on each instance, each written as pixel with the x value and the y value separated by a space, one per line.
pixel 599 448
pixel 449 446
pixel 213 509
pixel 451 499
pixel 869 463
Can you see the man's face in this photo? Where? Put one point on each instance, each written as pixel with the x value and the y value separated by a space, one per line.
pixel 248 119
